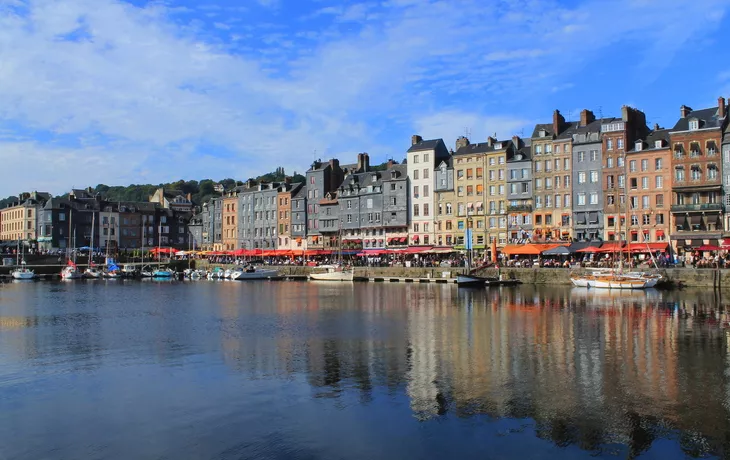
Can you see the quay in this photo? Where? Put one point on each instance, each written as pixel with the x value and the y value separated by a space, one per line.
pixel 674 277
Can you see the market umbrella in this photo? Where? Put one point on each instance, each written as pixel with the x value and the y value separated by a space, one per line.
pixel 557 251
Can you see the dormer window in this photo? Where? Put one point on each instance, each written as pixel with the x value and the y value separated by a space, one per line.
pixel 694 124
pixel 375 178
pixel 497 146
pixel 639 145
pixel 657 144
pixel 543 133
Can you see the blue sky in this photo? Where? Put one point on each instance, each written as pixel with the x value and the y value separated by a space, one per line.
pixel 115 92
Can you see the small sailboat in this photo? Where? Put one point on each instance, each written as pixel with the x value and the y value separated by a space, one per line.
pixel 112 271
pixel 468 280
pixel 22 273
pixel 70 271
pixel 337 271
pixel 92 272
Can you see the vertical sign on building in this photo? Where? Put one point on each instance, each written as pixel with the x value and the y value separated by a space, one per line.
pixel 467 240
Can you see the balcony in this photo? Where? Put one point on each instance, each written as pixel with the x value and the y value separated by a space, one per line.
pixel 520 208
pixel 696 207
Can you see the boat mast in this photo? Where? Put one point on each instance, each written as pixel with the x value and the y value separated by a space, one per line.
pixel 68 246
pixel 143 237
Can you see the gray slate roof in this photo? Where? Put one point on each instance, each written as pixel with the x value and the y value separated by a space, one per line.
pixel 431 144
pixel 708 119
pixel 651 138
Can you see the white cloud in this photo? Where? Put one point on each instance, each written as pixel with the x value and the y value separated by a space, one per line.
pixel 152 95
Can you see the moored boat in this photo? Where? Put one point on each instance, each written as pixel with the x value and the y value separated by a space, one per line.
pixel 252 273
pixel 467 280
pixel 162 273
pixel 23 274
pixel 70 272
pixel 334 274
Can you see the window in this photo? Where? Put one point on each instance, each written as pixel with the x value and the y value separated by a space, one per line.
pixel 619 143
pixel 582 177
pixel 660 218
pixel 566 181
pixel 469 190
pixel 548 148
pixel 369 203
pixel 634 183
pixel 460 174
pixel 609 162
pixel 711 172
pixel 679 173
pixel 538 149
pixel 416 210
pixel 548 201
pixel 425 190
pixel 425 174
pixel 349 218
pixel 609 144
pixel 460 190
pixel 696 172
pixel 480 173
pixel 469 174
pixel 480 189
pixel 632 165
pixel 538 166
pixel 526 172
pixel 694 125
pixel 581 157
pixel 658 182
pixel 415 158
pixel 594 198
pixel 558 201
pixel 538 201
pixel 581 199
pixel 415 174
pixel 621 181
pixel 658 164
pixel 566 164
pixel 644 165
pixel 416 190
pixel 538 184
pixel 659 201
pixel 594 155
pixel 492 190
pixel 645 202
pixel 566 200
pixel 557 148
pixel 557 164
pixel 645 182
pixel 425 157
pixel 548 165
pixel 548 183
pixel 425 210
pixel 594 177
pixel 620 162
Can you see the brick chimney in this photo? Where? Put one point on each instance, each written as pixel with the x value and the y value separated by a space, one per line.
pixel 391 163
pixel 462 142
pixel 586 116
pixel 491 141
pixel 415 139
pixel 334 163
pixel 684 111
pixel 363 162
pixel 721 110
pixel 558 122
pixel 287 180
pixel 656 127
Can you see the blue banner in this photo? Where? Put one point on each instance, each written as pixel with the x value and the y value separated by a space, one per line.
pixel 468 245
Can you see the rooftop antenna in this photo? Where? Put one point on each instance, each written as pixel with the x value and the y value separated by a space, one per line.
pixel 467 132
pixel 570 115
pixel 600 112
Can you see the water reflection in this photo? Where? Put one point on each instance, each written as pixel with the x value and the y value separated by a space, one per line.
pixel 607 373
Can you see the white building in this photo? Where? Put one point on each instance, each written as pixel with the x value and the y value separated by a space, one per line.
pixel 421 160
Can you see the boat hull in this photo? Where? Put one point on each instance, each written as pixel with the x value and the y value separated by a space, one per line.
pixel 23 275
pixel 255 275
pixel 471 280
pixel 344 275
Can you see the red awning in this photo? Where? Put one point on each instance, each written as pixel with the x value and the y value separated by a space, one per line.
pixel 612 246
pixel 590 249
pixel 527 249
pixel 648 247
pixel 708 247
pixel 725 244
pixel 414 250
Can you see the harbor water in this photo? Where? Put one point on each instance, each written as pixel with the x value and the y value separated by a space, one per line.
pixel 295 370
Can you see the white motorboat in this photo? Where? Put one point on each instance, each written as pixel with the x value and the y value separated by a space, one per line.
pixel 129 270
pixel 227 274
pixel 586 280
pixel 252 273
pixel 113 274
pixel 92 273
pixel 334 274
pixel 23 274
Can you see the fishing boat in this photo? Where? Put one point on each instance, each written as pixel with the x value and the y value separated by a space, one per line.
pixel 252 273
pixel 22 273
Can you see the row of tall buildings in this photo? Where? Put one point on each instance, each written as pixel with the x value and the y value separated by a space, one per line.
pixel 86 219
pixel 589 179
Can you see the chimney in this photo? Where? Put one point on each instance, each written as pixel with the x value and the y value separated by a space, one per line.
pixel 558 122
pixel 334 163
pixel 586 116
pixel 287 180
pixel 461 142
pixel 656 127
pixel 363 162
pixel 390 163
pixel 491 141
pixel 721 107
pixel 415 139
pixel 684 111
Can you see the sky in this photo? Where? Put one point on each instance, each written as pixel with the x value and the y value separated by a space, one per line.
pixel 120 92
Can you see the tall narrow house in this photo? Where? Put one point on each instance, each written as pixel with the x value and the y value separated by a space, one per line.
pixel 422 157
pixel 587 178
pixel 697 209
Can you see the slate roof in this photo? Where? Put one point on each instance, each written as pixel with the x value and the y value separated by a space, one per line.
pixel 431 144
pixel 651 138
pixel 525 151
pixel 298 192
pixel 566 133
pixel 708 119
pixel 569 130
pixel 726 138
pixel 483 147
pixel 540 126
